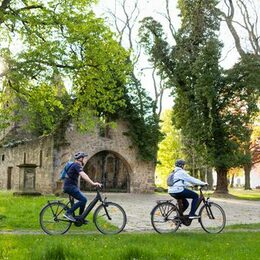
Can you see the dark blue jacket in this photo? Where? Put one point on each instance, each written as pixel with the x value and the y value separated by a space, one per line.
pixel 73 175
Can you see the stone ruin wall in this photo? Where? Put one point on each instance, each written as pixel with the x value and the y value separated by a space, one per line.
pixel 54 157
pixel 141 173
pixel 39 152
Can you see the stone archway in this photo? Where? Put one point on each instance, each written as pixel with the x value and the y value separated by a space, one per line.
pixel 109 168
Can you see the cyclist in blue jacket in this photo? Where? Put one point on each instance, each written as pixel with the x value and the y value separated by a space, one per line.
pixel 71 185
pixel 181 179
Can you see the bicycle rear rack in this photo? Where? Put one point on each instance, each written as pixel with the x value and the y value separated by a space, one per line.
pixel 161 201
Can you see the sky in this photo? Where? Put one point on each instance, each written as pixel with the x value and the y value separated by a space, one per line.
pixel 154 8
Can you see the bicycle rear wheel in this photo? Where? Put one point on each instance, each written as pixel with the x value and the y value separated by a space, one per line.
pixel 165 218
pixel 212 218
pixel 109 218
pixel 51 219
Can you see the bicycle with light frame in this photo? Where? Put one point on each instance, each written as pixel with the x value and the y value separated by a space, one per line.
pixel 167 216
pixel 108 217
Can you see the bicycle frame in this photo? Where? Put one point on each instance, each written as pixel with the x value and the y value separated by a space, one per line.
pixel 86 211
pixel 92 204
pixel 201 200
pixel 205 202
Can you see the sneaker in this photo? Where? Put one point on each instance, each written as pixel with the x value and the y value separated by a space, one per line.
pixel 80 220
pixel 194 217
pixel 85 222
pixel 69 217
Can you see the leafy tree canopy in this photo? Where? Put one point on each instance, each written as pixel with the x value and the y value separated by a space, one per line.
pixel 63 39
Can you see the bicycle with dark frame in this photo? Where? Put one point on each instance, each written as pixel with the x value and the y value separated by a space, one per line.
pixel 108 217
pixel 167 217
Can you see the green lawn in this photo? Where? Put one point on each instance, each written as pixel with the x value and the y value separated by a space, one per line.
pixel 246 194
pixel 132 246
pixel 22 212
pixel 239 194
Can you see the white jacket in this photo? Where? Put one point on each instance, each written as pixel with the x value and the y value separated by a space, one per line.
pixel 184 180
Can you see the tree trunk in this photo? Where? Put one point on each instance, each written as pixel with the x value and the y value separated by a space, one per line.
pixel 196 173
pixel 222 183
pixel 202 174
pixel 210 178
pixel 247 170
pixel 232 181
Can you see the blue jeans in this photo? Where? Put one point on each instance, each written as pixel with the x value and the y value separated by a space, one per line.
pixel 78 195
pixel 190 195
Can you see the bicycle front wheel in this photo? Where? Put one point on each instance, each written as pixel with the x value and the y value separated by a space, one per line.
pixel 212 218
pixel 165 218
pixel 51 219
pixel 109 218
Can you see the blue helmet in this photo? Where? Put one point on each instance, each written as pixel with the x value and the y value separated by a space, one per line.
pixel 180 163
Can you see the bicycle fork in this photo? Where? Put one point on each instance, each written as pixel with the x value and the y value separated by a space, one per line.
pixel 105 207
pixel 208 209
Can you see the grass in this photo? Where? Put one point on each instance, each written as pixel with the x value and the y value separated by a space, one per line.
pixel 132 246
pixel 254 226
pixel 246 194
pixel 22 212
pixel 239 194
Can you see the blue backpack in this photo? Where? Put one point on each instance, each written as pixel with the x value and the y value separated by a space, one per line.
pixel 65 170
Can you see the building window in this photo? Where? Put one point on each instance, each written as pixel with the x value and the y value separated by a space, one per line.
pixel 40 164
pixel 3 157
pixel 24 158
pixel 105 131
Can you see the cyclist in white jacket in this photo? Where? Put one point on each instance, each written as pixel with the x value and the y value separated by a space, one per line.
pixel 181 179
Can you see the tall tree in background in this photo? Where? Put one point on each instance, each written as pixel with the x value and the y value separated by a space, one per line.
pixel 207 101
pixel 64 39
pixel 241 17
pixel 244 78
pixel 243 22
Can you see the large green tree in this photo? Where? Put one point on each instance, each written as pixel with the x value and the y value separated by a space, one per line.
pixel 65 39
pixel 208 100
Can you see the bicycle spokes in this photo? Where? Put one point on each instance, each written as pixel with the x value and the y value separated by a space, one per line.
pixel 165 217
pixel 110 218
pixel 213 218
pixel 51 219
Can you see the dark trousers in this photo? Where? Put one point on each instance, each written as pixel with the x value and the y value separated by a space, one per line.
pixel 78 195
pixel 189 194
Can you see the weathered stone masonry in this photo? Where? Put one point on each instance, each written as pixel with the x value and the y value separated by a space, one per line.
pixel 50 157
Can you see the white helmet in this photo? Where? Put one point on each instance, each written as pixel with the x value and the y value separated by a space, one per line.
pixel 79 155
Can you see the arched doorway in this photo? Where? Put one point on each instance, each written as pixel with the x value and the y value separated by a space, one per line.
pixel 109 168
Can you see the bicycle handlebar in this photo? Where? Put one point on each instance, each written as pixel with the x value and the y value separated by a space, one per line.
pixel 201 186
pixel 98 188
